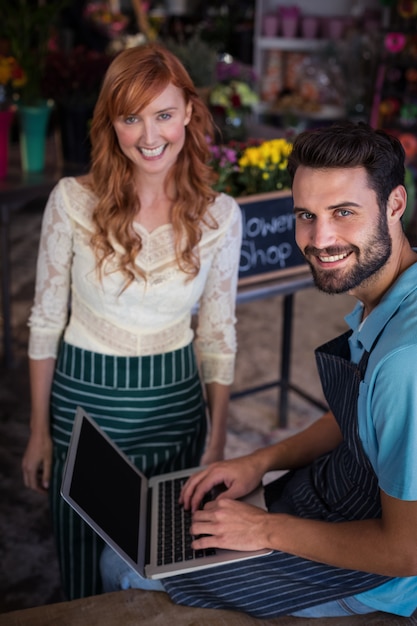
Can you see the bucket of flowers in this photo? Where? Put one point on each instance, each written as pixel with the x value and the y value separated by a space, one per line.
pixel 255 173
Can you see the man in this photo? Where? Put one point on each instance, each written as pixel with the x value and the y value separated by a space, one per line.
pixel 342 523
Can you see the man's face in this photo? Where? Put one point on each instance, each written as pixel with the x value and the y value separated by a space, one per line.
pixel 340 228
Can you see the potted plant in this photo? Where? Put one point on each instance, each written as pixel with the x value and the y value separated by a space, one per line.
pixel 26 26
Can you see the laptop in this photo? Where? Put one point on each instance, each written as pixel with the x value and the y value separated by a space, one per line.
pixel 130 512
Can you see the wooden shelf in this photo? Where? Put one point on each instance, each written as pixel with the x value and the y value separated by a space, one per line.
pixel 296 44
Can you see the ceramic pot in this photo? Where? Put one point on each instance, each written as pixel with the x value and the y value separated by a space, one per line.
pixel 6 118
pixel 33 132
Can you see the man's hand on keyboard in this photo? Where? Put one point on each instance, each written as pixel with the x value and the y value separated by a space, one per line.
pixel 229 524
pixel 237 477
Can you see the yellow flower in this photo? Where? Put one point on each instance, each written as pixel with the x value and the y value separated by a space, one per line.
pixel 263 167
pixel 11 78
pixel 257 167
pixel 7 65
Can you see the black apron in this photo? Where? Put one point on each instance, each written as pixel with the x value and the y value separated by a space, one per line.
pixel 339 486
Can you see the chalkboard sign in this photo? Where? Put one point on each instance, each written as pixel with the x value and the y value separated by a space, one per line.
pixel 268 238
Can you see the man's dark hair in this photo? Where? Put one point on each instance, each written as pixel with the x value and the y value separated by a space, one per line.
pixel 348 145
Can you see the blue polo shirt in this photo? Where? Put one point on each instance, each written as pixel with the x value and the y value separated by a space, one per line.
pixel 387 412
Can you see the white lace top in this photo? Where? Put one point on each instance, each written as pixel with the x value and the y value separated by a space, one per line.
pixel 148 317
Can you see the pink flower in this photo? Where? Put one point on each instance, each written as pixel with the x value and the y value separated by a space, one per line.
pixel 395 42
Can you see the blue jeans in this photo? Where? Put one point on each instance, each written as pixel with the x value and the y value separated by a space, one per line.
pixel 336 608
pixel 117 574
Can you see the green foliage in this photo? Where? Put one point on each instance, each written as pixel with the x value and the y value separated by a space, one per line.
pixel 27 26
pixel 198 58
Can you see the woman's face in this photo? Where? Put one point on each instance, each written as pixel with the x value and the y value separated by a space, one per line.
pixel 153 138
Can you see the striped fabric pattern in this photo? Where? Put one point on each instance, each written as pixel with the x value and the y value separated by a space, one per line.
pixel 338 486
pixel 151 406
pixel 269 586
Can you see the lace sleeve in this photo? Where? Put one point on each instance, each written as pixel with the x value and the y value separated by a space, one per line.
pixel 216 333
pixel 49 312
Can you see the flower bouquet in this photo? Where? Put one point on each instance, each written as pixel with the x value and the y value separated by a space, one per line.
pixel 12 78
pixel 233 97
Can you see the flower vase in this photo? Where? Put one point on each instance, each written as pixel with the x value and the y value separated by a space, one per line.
pixel 33 132
pixel 6 118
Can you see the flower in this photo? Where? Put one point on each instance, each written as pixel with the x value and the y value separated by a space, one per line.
pixel 11 78
pixel 228 69
pixel 264 168
pixel 224 160
pixel 251 168
pixel 233 97
pixel 234 91
pixel 108 22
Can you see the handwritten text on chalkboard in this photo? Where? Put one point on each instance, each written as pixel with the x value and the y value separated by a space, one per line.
pixel 268 239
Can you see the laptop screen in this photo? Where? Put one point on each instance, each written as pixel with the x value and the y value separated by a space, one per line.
pixel 102 485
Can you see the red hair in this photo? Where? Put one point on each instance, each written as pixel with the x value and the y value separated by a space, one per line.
pixel 135 77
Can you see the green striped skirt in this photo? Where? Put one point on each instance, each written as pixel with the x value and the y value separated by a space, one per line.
pixel 151 406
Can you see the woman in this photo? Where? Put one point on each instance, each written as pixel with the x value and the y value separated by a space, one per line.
pixel 126 254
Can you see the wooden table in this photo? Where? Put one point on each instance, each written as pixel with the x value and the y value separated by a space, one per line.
pixel 154 608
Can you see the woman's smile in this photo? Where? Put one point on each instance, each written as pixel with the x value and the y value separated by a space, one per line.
pixel 152 153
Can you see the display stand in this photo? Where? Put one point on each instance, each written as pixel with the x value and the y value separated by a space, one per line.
pixel 287 286
pixel 395 94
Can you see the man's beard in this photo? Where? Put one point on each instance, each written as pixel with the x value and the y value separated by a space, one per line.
pixel 374 257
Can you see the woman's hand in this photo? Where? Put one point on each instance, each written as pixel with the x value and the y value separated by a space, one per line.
pixel 36 463
pixel 212 455
pixel 37 459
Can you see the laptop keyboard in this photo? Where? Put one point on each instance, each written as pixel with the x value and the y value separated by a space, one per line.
pixel 174 543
